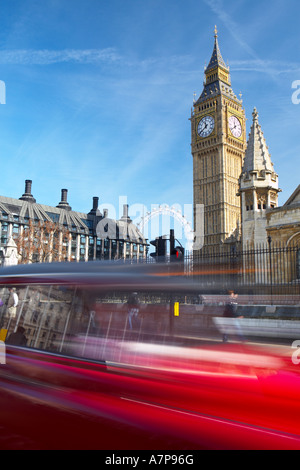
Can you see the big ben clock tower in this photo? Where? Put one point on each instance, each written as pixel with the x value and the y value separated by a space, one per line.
pixel 218 147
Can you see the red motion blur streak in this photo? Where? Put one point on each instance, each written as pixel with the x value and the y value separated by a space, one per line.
pixel 233 397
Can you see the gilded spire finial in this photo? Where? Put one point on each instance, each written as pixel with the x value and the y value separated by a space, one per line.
pixel 216 31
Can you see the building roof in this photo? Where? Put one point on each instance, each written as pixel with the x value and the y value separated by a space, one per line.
pixel 294 198
pixel 211 90
pixel 94 223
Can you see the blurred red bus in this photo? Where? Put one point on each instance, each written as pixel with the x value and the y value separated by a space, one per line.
pixel 90 377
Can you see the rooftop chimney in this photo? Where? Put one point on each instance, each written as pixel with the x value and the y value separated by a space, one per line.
pixel 95 206
pixel 125 212
pixel 64 203
pixel 27 196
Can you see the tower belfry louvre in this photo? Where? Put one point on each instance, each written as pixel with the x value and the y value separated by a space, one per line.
pixel 218 142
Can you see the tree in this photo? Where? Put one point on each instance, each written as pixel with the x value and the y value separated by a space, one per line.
pixel 43 242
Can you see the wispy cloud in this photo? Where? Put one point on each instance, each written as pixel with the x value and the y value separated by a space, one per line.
pixel 48 57
pixel 87 56
pixel 218 8
pixel 112 57
pixel 275 67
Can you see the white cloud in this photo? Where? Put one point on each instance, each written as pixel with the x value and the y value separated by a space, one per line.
pixel 256 64
pixel 218 9
pixel 47 57
pixel 274 67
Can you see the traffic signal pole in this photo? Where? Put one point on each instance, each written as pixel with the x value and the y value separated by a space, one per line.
pixel 176 256
pixel 171 317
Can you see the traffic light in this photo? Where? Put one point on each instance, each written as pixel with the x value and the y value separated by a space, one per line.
pixel 177 254
pixel 154 243
pixel 160 248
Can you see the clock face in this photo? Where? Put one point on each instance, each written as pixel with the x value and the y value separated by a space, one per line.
pixel 235 126
pixel 206 126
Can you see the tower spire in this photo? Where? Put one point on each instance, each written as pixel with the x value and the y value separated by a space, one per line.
pixel 216 58
pixel 257 156
pixel 258 186
pixel 217 76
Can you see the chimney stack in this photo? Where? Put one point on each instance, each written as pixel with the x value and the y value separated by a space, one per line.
pixel 95 203
pixel 28 184
pixel 125 212
pixel 27 196
pixel 64 202
pixel 95 206
pixel 64 195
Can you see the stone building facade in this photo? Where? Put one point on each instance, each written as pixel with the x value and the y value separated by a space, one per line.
pixel 263 220
pixel 283 223
pixel 258 188
pixel 234 178
pixel 91 236
pixel 218 127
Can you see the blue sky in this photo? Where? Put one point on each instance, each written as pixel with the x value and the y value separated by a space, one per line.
pixel 99 93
